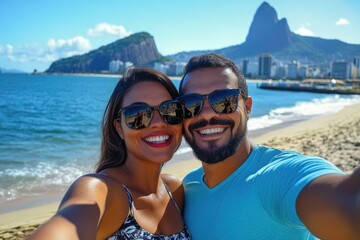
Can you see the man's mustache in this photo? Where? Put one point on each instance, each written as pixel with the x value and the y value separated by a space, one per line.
pixel 213 121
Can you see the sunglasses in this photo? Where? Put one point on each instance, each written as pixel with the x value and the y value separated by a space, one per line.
pixel 221 101
pixel 139 115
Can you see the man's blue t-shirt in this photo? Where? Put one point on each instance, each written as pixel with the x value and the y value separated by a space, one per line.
pixel 257 201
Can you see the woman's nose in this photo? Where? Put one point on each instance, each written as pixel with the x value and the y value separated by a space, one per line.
pixel 157 120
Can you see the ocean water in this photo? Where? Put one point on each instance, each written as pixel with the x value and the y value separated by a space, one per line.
pixel 50 126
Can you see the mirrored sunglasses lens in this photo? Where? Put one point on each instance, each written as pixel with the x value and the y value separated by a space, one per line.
pixel 172 112
pixel 138 117
pixel 224 101
pixel 193 105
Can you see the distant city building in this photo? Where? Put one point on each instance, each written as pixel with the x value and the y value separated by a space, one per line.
pixel 128 65
pixel 176 69
pixel 354 71
pixel 357 61
pixel 161 67
pixel 280 69
pixel 356 64
pixel 273 70
pixel 313 72
pixel 252 69
pixel 292 70
pixel 302 72
pixel 265 66
pixel 115 66
pixel 245 67
pixel 280 72
pixel 340 70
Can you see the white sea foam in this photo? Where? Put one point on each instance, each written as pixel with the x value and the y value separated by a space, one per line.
pixel 39 178
pixel 316 107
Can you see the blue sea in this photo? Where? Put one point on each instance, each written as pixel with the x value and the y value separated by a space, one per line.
pixel 50 126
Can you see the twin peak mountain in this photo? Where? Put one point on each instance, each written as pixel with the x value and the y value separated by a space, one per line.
pixel 267 34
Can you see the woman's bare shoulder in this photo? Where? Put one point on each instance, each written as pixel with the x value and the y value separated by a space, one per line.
pixel 172 182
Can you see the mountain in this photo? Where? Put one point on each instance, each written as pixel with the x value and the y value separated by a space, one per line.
pixel 3 70
pixel 268 34
pixel 139 48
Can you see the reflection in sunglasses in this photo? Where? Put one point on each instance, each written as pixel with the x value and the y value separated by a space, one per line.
pixel 221 101
pixel 139 115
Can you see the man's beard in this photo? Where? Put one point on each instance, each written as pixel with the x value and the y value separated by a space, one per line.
pixel 213 154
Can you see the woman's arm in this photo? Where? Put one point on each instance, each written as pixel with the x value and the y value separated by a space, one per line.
pixel 79 213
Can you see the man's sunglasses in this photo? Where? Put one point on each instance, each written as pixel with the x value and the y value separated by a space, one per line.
pixel 139 115
pixel 221 101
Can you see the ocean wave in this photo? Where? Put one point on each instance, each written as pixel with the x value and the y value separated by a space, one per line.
pixel 36 179
pixel 315 107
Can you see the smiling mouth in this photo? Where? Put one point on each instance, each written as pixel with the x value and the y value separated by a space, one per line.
pixel 157 139
pixel 212 131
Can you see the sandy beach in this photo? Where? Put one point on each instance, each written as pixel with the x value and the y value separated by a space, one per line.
pixel 335 137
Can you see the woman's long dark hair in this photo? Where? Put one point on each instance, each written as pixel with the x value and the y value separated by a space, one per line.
pixel 113 150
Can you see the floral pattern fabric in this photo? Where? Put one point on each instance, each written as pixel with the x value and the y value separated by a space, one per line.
pixel 130 229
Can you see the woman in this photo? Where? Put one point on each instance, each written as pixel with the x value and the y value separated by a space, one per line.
pixel 128 198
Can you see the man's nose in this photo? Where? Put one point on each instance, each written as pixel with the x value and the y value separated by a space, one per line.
pixel 207 111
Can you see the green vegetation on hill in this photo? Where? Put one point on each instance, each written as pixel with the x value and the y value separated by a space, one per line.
pixel 139 48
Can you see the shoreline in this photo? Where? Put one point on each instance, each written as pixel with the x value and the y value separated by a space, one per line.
pixel 112 75
pixel 333 136
pixel 118 75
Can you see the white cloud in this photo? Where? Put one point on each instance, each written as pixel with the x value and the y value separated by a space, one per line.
pixel 69 47
pixel 54 50
pixel 304 32
pixel 9 48
pixel 342 22
pixel 108 29
pixel 24 54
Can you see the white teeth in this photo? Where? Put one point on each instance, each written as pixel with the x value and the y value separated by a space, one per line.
pixel 211 131
pixel 157 139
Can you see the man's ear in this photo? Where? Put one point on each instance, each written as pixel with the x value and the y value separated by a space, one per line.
pixel 118 128
pixel 248 105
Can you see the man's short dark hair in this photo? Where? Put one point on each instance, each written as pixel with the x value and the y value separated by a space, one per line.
pixel 215 60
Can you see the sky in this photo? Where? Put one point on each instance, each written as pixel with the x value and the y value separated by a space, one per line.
pixel 35 33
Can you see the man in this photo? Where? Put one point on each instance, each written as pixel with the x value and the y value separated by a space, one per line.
pixel 244 191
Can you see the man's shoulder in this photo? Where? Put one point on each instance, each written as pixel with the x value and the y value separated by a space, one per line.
pixel 274 154
pixel 277 160
pixel 194 175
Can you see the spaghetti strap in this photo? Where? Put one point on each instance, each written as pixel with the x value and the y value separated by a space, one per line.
pixel 171 197
pixel 127 190
pixel 130 200
pixel 131 229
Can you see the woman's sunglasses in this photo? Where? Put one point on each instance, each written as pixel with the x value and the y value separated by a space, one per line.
pixel 139 115
pixel 221 101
